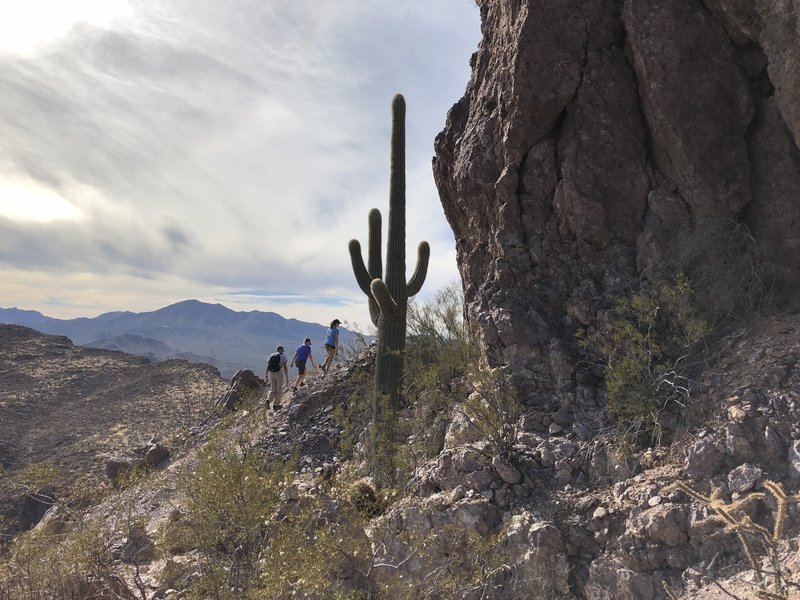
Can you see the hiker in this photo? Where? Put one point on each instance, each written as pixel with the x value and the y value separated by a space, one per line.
pixel 331 344
pixel 277 373
pixel 301 355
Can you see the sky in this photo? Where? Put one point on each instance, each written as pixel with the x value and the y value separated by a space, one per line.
pixel 153 151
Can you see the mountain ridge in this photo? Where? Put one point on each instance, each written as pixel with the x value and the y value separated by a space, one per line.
pixel 190 329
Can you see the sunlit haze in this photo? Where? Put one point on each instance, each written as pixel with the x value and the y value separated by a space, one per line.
pixel 223 150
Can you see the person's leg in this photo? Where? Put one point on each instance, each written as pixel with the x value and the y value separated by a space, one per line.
pixel 328 359
pixel 301 373
pixel 273 388
pixel 278 389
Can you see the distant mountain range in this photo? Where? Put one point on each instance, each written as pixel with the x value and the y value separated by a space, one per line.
pixel 192 330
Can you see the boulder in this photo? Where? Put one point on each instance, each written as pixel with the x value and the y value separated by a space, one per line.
pixel 744 478
pixel 703 460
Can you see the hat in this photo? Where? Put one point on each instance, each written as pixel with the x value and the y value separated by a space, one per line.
pixel 279 349
pixel 307 341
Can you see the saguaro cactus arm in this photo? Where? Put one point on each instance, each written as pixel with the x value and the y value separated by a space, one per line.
pixel 365 275
pixel 418 278
pixel 375 264
pixel 359 270
pixel 388 306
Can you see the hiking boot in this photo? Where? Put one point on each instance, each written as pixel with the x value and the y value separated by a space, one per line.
pixel 294 389
pixel 277 406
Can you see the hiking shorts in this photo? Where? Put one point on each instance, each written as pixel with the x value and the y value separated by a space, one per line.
pixel 331 349
pixel 301 366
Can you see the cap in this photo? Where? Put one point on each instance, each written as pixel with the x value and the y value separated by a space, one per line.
pixel 307 341
pixel 279 349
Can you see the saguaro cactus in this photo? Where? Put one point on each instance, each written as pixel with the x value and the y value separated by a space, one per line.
pixel 388 298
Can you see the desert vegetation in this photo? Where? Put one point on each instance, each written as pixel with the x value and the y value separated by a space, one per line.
pixel 254 528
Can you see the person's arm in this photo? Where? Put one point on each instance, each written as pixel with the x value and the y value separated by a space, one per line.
pixel 293 359
pixel 336 343
pixel 311 358
pixel 286 372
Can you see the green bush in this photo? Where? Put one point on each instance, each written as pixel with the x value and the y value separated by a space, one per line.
pixel 230 497
pixel 440 354
pixel 73 556
pixel 316 553
pixel 494 409
pixel 648 353
pixel 452 562
pixel 354 416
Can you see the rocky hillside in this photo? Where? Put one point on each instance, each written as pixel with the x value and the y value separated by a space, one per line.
pixel 76 407
pixel 65 403
pixel 562 514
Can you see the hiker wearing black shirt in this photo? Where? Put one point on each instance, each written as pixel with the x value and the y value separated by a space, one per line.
pixel 277 373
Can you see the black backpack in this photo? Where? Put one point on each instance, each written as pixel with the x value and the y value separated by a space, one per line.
pixel 274 362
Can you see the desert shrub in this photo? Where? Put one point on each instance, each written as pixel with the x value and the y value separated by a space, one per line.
pixel 650 349
pixel 76 566
pixel 230 496
pixel 355 344
pixel 47 485
pixel 189 408
pixel 75 557
pixel 259 537
pixel 649 356
pixel 353 416
pixel 724 267
pixel 494 409
pixel 440 346
pixel 440 353
pixel 453 562
pixel 315 552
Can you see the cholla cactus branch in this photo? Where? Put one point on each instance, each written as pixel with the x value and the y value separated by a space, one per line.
pixel 772 582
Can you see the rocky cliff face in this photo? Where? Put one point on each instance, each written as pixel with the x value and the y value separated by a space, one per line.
pixel 593 137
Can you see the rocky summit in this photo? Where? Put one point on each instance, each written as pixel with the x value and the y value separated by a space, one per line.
pixel 597 138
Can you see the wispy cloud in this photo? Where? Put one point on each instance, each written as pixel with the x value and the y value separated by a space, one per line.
pixel 223 144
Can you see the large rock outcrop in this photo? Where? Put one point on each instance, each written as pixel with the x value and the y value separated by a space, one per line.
pixel 592 137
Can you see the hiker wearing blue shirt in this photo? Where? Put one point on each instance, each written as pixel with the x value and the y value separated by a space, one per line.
pixel 301 355
pixel 331 343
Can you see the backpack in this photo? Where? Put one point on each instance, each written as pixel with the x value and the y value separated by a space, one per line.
pixel 274 362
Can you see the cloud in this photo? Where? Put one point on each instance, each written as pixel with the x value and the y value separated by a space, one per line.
pixel 228 145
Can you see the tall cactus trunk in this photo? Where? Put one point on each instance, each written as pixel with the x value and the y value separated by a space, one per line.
pixel 388 298
pixel 391 345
